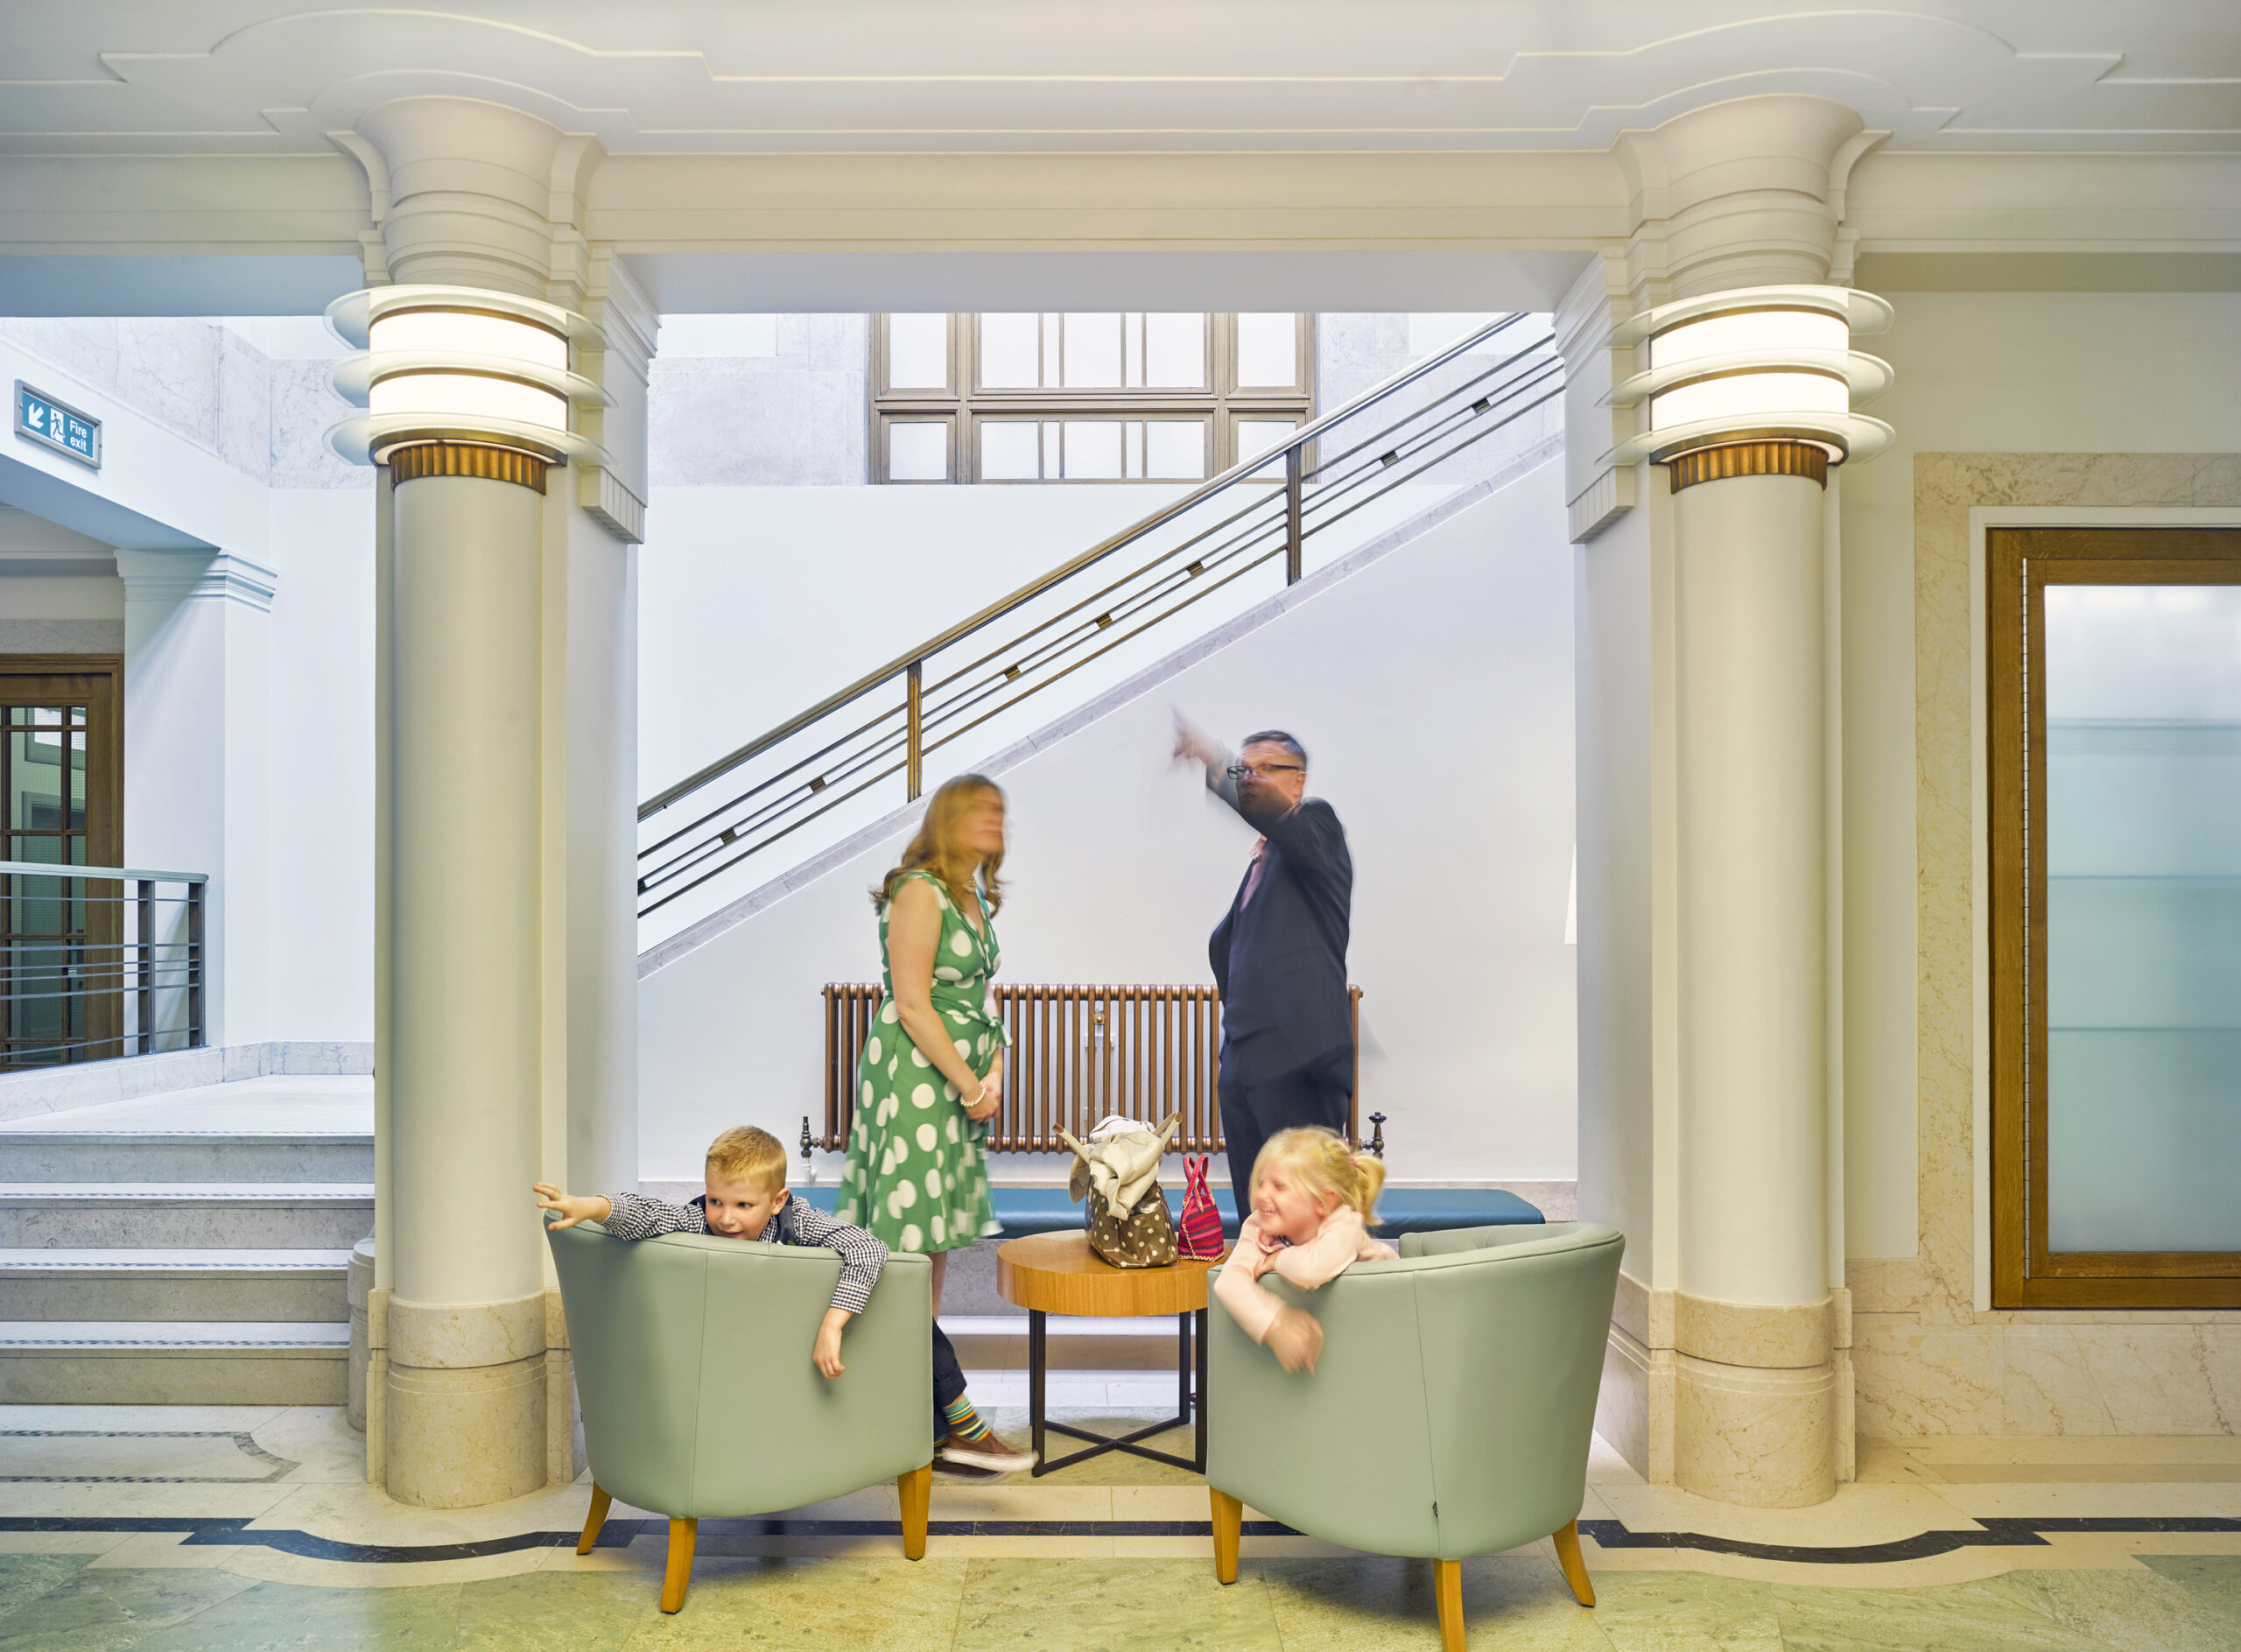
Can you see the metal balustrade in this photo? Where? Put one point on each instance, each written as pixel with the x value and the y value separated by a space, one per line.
pixel 1263 516
pixel 98 961
pixel 1078 1053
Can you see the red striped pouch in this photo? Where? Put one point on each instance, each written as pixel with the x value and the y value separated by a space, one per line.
pixel 1201 1235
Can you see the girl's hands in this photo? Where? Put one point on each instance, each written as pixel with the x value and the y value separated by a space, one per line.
pixel 574 1207
pixel 992 1096
pixel 1297 1340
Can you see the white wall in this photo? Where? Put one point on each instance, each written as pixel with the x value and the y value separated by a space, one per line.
pixel 322 752
pixel 755 602
pixel 2041 372
pixel 1434 692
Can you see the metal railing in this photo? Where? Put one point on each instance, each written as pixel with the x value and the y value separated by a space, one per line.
pixel 98 961
pixel 1264 513
pixel 1078 1053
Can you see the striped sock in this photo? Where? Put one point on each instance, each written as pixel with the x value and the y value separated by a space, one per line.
pixel 964 1420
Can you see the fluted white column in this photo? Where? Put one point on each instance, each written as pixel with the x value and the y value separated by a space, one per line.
pixel 1706 868
pixel 466 1420
pixel 506 1001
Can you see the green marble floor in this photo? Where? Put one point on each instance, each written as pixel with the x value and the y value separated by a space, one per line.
pixel 1355 1604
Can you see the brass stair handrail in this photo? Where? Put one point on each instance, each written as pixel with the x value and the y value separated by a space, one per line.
pixel 1034 588
pixel 1272 519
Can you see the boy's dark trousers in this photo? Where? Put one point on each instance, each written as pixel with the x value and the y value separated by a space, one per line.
pixel 949 1382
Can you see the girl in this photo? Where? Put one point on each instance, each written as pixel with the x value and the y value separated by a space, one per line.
pixel 1312 1204
pixel 931 1076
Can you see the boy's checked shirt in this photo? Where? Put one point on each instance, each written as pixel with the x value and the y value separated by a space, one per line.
pixel 862 1256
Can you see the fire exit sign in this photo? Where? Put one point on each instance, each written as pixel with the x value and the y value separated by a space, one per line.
pixel 40 418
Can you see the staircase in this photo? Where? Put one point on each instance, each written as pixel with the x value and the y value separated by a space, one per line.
pixel 185 1248
pixel 1337 492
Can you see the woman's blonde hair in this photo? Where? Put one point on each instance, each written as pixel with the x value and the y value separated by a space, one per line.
pixel 1322 1163
pixel 936 849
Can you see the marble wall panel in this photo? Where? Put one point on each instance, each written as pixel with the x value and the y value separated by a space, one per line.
pixel 304 409
pixel 798 419
pixel 1914 1380
pixel 169 370
pixel 1930 1364
pixel 244 405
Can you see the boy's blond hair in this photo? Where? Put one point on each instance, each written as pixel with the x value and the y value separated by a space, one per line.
pixel 1321 1162
pixel 746 1154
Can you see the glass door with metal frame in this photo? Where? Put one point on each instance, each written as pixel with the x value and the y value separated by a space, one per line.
pixel 61 936
pixel 2116 797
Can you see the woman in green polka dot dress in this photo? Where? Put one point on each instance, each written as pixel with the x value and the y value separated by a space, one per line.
pixel 931 1076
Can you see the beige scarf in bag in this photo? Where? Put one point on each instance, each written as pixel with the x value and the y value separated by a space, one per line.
pixel 1117 1169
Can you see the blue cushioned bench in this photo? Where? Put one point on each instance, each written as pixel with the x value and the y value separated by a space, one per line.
pixel 1403 1210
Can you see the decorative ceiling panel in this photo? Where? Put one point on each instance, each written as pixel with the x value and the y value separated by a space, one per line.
pixel 241 77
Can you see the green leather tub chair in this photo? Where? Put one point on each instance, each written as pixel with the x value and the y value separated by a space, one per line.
pixel 1448 1415
pixel 692 1369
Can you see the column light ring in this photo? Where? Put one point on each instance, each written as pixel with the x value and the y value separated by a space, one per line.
pixel 510 386
pixel 1749 363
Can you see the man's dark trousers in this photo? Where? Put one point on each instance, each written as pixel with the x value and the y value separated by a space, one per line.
pixel 1252 1113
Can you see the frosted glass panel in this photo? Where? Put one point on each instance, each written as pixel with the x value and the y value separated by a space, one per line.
pixel 918 451
pixel 2143 989
pixel 1092 351
pixel 1011 451
pixel 1267 351
pixel 1174 450
pixel 1010 352
pixel 1258 435
pixel 1175 351
pixel 918 351
pixel 1092 450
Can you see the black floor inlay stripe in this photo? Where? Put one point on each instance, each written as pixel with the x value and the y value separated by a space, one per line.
pixel 236 1532
pixel 1997 1533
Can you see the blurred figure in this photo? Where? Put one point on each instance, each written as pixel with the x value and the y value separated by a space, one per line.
pixel 1279 955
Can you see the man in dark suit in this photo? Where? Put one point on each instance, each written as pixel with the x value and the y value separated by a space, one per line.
pixel 1280 954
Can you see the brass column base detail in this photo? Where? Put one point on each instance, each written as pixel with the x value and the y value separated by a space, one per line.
pixel 466 459
pixel 1750 459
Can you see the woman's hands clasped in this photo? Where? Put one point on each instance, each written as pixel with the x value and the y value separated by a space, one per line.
pixel 992 1093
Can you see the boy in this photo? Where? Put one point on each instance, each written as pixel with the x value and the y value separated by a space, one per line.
pixel 746 1199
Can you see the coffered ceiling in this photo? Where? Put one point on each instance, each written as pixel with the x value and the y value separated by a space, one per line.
pixel 256 77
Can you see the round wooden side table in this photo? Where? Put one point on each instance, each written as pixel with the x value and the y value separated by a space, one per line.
pixel 1058 1273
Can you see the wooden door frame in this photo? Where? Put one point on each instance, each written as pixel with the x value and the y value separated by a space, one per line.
pixel 2024 1273
pixel 104 781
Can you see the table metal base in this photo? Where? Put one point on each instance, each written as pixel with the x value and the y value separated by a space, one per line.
pixel 1189 1401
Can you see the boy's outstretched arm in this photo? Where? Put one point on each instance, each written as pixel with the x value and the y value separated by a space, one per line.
pixel 574 1207
pixel 826 1353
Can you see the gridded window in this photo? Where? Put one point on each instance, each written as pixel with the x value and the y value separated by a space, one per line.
pixel 1091 396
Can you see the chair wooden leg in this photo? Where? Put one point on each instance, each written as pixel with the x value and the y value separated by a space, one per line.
pixel 678 1575
pixel 1229 1514
pixel 1568 1556
pixel 593 1520
pixel 1447 1583
pixel 916 1488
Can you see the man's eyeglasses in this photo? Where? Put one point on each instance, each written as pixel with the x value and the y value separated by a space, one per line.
pixel 1264 771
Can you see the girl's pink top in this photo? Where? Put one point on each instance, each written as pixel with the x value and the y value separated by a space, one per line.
pixel 1343 1240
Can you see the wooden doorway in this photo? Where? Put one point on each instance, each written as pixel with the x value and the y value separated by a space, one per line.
pixel 62 961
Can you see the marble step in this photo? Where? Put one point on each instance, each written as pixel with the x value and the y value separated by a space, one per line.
pixel 181 1362
pixel 268 1129
pixel 153 1285
pixel 158 1215
pixel 185 1156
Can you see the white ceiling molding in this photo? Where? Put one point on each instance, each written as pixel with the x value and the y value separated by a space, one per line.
pixel 254 77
